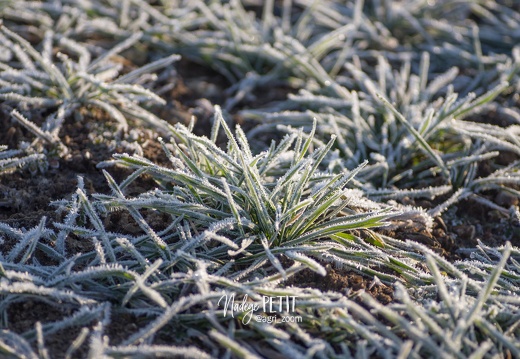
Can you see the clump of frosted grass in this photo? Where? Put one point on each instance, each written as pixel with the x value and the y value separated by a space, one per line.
pixel 413 134
pixel 277 200
pixel 65 84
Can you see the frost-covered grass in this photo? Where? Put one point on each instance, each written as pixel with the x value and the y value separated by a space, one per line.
pixel 9 162
pixel 44 80
pixel 385 98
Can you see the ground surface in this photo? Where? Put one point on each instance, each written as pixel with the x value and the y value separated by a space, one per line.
pixel 26 196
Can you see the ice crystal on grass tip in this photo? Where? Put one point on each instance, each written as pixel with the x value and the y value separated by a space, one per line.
pixel 9 160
